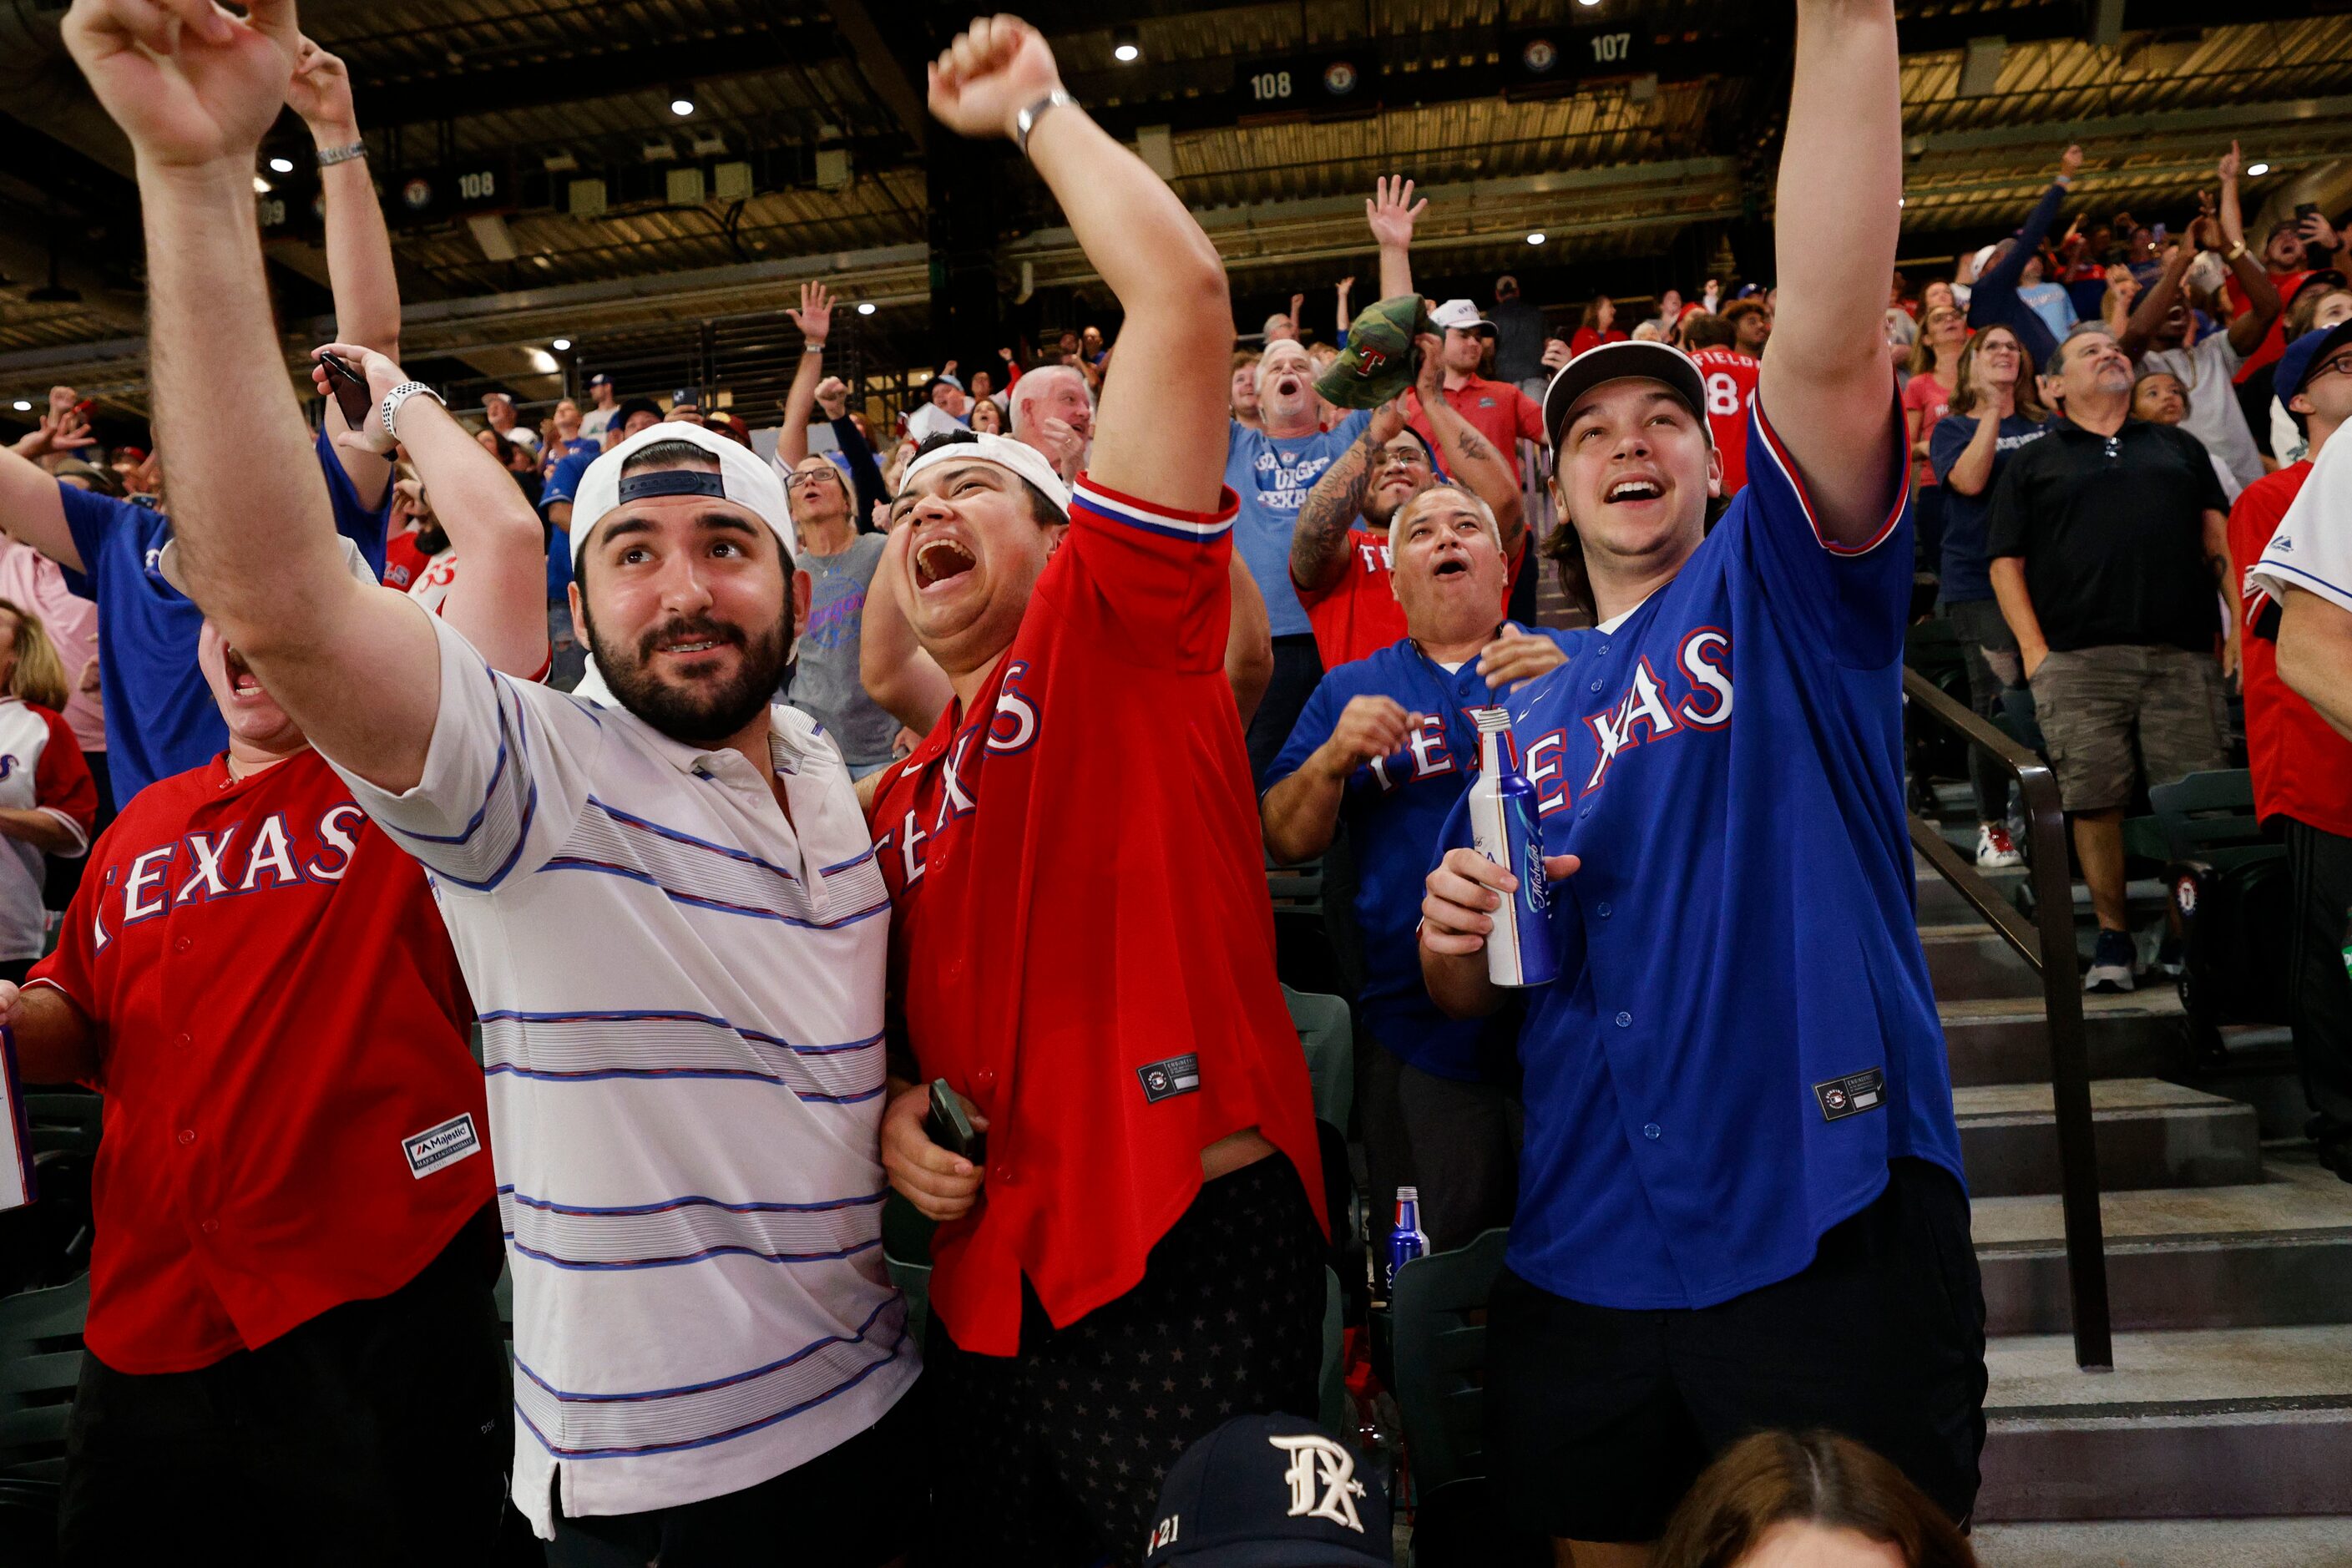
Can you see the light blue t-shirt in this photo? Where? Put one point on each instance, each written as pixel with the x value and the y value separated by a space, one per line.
pixel 1272 478
pixel 2052 304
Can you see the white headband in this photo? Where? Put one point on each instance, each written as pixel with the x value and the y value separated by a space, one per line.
pixel 1005 453
pixel 742 479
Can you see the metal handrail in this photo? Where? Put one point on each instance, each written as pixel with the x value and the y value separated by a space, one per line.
pixel 2048 945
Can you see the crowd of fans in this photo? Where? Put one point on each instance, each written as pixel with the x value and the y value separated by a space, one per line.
pixel 671 800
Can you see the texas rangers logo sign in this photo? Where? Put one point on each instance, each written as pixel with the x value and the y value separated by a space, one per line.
pixel 1368 362
pixel 1322 1477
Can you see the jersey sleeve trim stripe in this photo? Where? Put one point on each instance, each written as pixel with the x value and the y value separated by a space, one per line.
pixel 2311 583
pixel 1153 517
pixel 1788 467
pixel 81 835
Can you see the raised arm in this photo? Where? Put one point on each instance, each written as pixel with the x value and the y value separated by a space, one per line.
pixel 497 601
pixel 2003 274
pixel 864 474
pixel 196 88
pixel 2264 304
pixel 1391 212
pixel 2157 301
pixel 31 512
pixel 814 319
pixel 1318 543
pixel 903 680
pixel 1469 457
pixel 1825 381
pixel 1159 436
pixel 359 250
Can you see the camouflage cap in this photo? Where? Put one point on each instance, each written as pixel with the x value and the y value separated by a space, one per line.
pixel 1379 363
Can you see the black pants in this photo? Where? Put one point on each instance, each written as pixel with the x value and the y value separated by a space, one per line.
pixel 1979 625
pixel 854 1506
pixel 1599 1419
pixel 1457 1142
pixel 2318 993
pixel 1927 527
pixel 1053 1457
pixel 379 1432
pixel 64 876
pixel 1297 667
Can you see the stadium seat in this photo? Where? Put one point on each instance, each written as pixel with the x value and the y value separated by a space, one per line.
pixel 1328 1038
pixel 2229 884
pixel 40 1359
pixel 1438 1331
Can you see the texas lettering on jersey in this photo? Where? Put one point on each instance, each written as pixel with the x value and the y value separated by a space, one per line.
pixel 203 867
pixel 1693 696
pixel 1011 726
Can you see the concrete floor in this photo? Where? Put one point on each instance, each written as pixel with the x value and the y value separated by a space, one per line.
pixel 2169 1543
pixel 2206 1364
pixel 2295 1195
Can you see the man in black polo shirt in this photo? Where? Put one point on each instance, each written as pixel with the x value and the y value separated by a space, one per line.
pixel 2107 538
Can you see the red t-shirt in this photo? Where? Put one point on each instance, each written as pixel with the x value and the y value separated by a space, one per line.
pixel 1586 338
pixel 2274 342
pixel 2302 767
pixel 1358 615
pixel 1926 394
pixel 1081 943
pixel 1496 409
pixel 1730 388
pixel 293 1116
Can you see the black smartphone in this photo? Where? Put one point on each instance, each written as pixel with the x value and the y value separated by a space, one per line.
pixel 351 390
pixel 2305 209
pixel 950 1125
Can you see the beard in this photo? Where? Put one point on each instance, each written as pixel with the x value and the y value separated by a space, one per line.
pixel 705 712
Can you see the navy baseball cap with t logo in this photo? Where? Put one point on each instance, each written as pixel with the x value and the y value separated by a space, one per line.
pixel 1269 1491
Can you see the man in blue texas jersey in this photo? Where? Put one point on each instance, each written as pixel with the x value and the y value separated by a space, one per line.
pixel 1384 744
pixel 1740 1200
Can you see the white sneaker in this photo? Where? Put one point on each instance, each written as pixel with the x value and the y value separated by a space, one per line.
pixel 1996 850
pixel 2111 964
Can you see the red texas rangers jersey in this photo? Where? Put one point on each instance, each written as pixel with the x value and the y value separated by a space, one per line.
pixel 1358 615
pixel 293 1118
pixel 41 769
pixel 1730 388
pixel 1081 941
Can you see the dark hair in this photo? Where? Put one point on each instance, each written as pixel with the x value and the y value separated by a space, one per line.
pixel 668 455
pixel 2150 373
pixel 1964 391
pixel 1739 310
pixel 1041 505
pixel 1701 331
pixel 1592 311
pixel 1817 1478
pixel 634 406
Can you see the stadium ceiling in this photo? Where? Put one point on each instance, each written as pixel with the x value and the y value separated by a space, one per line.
pixel 539 180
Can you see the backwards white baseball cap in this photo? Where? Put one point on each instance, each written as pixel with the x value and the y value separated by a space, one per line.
pixel 1002 450
pixel 743 477
pixel 1461 313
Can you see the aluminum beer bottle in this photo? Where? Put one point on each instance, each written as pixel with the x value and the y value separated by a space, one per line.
pixel 1407 1241
pixel 1504 827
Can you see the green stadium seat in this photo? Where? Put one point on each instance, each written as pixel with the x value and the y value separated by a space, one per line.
pixel 1328 1040
pixel 40 1361
pixel 1438 1332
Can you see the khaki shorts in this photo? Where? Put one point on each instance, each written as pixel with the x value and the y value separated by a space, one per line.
pixel 2109 713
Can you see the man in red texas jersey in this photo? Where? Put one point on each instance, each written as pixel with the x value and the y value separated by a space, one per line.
pixel 293 1352
pixel 1081 944
pixel 1730 371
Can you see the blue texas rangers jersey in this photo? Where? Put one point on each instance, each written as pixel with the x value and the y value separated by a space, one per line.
pixel 1743 1032
pixel 1394 808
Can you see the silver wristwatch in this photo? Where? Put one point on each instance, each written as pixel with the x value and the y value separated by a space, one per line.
pixel 329 156
pixel 1026 121
pixel 400 394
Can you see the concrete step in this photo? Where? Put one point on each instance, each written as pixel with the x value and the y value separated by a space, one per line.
pixel 2274 1252
pixel 2169 1543
pixel 2149 1135
pixel 1967 962
pixel 2006 1039
pixel 2228 1423
pixel 1941 904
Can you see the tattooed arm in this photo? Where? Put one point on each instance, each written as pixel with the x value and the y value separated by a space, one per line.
pixel 1469 458
pixel 1318 544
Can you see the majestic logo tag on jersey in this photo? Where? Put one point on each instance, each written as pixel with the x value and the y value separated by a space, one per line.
pixel 1166 1080
pixel 1852 1095
pixel 1322 1478
pixel 447 1144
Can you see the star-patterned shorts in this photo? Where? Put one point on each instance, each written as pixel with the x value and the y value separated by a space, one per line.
pixel 1055 1457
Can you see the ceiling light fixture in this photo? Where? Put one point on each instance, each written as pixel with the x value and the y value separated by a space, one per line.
pixel 562 344
pixel 2256 170
pixel 261 187
pixel 1126 45
pixel 681 100
pixel 1537 238
pixel 23 406
pixel 281 165
pixel 866 307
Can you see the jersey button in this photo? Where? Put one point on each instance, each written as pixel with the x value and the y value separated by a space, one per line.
pixel 184 1041
pixel 1001 1175
pixel 1624 1020
pixel 984 1081
pixel 187 1135
pixel 1650 1129
pixel 181 944
pixel 211 1226
pixel 1601 910
pixel 1602 649
pixel 1596 686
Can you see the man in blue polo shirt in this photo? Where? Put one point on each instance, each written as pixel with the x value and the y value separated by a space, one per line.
pixel 1742 1200
pixel 1384 744
pixel 161 717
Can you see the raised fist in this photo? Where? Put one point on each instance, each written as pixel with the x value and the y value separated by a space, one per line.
pixel 995 69
pixel 189 84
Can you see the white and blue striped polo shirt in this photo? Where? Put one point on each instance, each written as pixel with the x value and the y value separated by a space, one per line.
pixel 680 996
